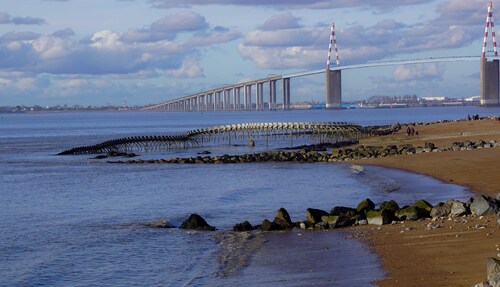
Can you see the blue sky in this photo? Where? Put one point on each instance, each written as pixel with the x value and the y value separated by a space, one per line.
pixel 96 52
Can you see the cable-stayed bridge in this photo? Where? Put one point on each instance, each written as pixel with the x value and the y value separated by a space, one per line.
pixel 240 96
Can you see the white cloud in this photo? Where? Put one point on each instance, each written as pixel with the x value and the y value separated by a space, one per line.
pixel 419 72
pixel 189 68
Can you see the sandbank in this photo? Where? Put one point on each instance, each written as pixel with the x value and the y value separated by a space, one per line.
pixel 454 254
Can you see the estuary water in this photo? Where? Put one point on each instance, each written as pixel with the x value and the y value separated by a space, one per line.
pixel 76 221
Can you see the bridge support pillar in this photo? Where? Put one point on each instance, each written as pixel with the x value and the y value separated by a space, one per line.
pixel 248 98
pixel 333 89
pixel 260 97
pixel 286 93
pixel 489 81
pixel 272 95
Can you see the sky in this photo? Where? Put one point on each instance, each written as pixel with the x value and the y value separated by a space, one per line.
pixel 139 52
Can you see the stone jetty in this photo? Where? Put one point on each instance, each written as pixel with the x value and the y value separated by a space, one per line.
pixel 311 155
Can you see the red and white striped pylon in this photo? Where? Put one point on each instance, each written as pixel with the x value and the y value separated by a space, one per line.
pixel 489 21
pixel 333 40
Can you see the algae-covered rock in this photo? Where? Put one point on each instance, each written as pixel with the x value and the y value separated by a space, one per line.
pixel 389 205
pixel 381 217
pixel 282 219
pixel 269 226
pixel 365 205
pixel 344 211
pixel 314 215
pixel 196 222
pixel 424 205
pixel 411 213
pixel 244 226
pixel 336 221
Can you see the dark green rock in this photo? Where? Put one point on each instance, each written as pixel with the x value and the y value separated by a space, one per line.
pixel 412 213
pixel 365 205
pixel 314 215
pixel 389 205
pixel 196 222
pixel 379 217
pixel 269 226
pixel 282 219
pixel 244 226
pixel 344 211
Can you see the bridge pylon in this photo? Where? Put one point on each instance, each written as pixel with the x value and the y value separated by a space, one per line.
pixel 333 78
pixel 489 70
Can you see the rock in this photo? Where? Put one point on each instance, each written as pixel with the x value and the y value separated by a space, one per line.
pixel 336 221
pixel 440 210
pixel 424 205
pixel 484 205
pixel 357 168
pixel 244 226
pixel 344 211
pixel 411 213
pixel 160 224
pixel 269 226
pixel 251 143
pixel 457 208
pixel 365 205
pixel 379 217
pixel 482 284
pixel 389 205
pixel 314 215
pixel 429 145
pixel 362 222
pixel 302 225
pixel 282 219
pixel 493 272
pixel 196 222
pixel 204 152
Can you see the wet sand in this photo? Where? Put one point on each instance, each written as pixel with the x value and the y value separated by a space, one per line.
pixel 456 253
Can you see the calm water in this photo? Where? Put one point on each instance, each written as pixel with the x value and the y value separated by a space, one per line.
pixel 73 221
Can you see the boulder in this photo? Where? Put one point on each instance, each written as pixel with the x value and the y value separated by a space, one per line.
pixel 336 221
pixel 269 226
pixel 244 226
pixel 375 217
pixel 344 211
pixel 493 272
pixel 440 210
pixel 411 213
pixel 457 208
pixel 196 222
pixel 282 219
pixel 389 205
pixel 365 205
pixel 429 145
pixel 424 205
pixel 314 215
pixel 160 224
pixel 484 205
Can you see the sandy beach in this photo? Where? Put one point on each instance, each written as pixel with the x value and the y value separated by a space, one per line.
pixel 454 254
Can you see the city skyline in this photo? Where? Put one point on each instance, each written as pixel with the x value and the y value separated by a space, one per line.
pixel 144 52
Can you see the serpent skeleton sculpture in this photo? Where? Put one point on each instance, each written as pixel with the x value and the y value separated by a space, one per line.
pixel 321 131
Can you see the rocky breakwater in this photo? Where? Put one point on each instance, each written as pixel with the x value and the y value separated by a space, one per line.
pixel 388 212
pixel 336 155
pixel 194 222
